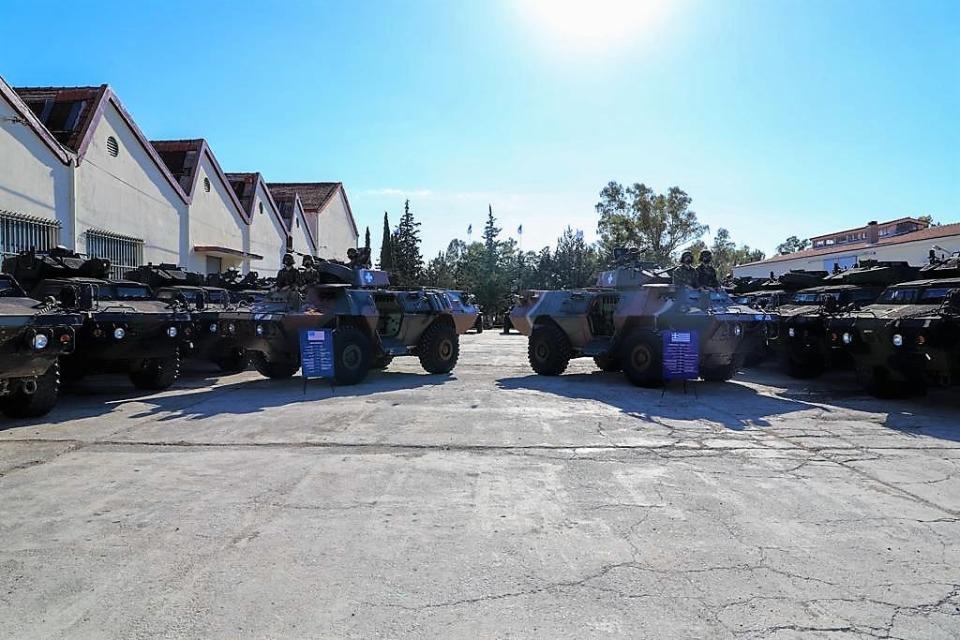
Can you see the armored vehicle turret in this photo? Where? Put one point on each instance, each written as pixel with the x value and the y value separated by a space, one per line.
pixel 124 330
pixel 33 335
pixel 208 340
pixel 371 323
pixel 907 340
pixel 620 324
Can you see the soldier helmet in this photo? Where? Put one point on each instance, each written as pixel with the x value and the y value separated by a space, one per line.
pixel 288 260
pixel 686 257
pixel 307 261
pixel 706 256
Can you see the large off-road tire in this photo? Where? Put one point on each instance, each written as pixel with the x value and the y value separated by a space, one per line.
pixel 351 355
pixel 549 350
pixel 39 403
pixel 277 369
pixel 233 361
pixel 157 374
pixel 610 364
pixel 719 373
pixel 804 369
pixel 641 358
pixel 877 383
pixel 439 348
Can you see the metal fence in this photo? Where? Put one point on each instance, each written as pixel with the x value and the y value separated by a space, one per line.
pixel 124 253
pixel 20 232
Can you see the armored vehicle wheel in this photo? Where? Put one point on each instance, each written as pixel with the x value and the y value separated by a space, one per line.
pixel 234 361
pixel 439 348
pixel 549 350
pixel 877 383
pixel 277 369
pixel 39 403
pixel 806 369
pixel 608 363
pixel 351 355
pixel 157 374
pixel 641 359
pixel 382 362
pixel 719 373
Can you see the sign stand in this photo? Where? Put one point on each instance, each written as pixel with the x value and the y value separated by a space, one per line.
pixel 681 358
pixel 316 356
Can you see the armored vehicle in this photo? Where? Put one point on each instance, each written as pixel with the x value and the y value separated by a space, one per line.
pixel 33 335
pixel 208 340
pixel 124 330
pixel 371 323
pixel 620 324
pixel 908 339
pixel 804 344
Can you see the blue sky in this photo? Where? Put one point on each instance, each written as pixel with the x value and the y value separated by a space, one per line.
pixel 778 117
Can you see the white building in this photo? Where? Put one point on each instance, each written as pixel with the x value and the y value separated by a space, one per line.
pixel 903 239
pixel 328 213
pixel 76 170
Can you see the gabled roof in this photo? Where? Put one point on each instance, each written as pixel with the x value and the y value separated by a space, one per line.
pixel 930 233
pixel 71 114
pixel 245 187
pixel 315 196
pixel 182 158
pixel 827 236
pixel 290 207
pixel 30 119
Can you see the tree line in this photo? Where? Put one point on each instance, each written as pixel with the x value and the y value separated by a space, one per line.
pixel 494 268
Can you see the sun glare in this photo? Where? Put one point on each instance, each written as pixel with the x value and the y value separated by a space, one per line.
pixel 598 25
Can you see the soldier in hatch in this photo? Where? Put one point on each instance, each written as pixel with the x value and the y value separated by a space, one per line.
pixel 706 273
pixel 686 274
pixel 308 270
pixel 288 276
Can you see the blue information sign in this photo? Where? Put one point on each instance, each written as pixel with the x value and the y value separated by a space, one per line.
pixel 681 355
pixel 316 353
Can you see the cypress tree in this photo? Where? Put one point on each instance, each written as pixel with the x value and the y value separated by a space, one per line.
pixel 386 246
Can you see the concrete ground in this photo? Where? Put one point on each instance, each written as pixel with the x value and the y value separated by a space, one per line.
pixel 492 503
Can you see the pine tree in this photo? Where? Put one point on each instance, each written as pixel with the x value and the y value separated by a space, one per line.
pixel 490 234
pixel 366 239
pixel 386 246
pixel 407 261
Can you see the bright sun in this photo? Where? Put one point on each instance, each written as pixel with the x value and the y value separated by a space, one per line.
pixel 598 25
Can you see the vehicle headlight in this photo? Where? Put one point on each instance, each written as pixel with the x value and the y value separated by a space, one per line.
pixel 213 327
pixel 897 340
pixel 172 332
pixel 737 330
pixel 40 341
pixel 792 332
pixel 232 328
pixel 260 330
pixel 119 333
pixel 846 337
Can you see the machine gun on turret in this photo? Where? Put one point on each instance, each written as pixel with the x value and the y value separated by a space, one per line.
pixel 629 270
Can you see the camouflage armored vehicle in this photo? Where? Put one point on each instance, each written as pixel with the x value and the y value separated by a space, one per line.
pixel 124 330
pixel 908 339
pixel 619 323
pixel 371 323
pixel 208 340
pixel 33 335
pixel 804 344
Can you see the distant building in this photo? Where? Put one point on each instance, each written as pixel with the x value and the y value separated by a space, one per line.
pixel 328 214
pixel 903 239
pixel 76 170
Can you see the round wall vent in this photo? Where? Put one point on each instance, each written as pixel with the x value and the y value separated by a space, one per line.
pixel 113 148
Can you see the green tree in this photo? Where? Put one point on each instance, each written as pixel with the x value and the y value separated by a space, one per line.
pixel 366 239
pixel 386 246
pixel 657 224
pixel 407 261
pixel 792 245
pixel 574 262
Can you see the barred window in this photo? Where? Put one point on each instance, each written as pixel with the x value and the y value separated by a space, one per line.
pixel 20 232
pixel 123 252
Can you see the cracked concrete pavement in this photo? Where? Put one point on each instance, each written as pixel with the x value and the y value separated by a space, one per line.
pixel 488 504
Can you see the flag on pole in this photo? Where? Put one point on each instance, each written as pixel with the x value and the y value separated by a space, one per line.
pixel 520 230
pixel 469 229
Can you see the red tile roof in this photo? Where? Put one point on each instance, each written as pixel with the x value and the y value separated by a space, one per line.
pixel 864 228
pixel 313 195
pixel 929 233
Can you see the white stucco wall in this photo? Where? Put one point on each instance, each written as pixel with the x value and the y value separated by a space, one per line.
pixel 33 180
pixel 128 194
pixel 214 220
pixel 268 237
pixel 301 241
pixel 913 252
pixel 335 233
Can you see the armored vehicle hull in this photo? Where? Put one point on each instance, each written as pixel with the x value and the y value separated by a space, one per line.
pixel 620 324
pixel 33 336
pixel 908 340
